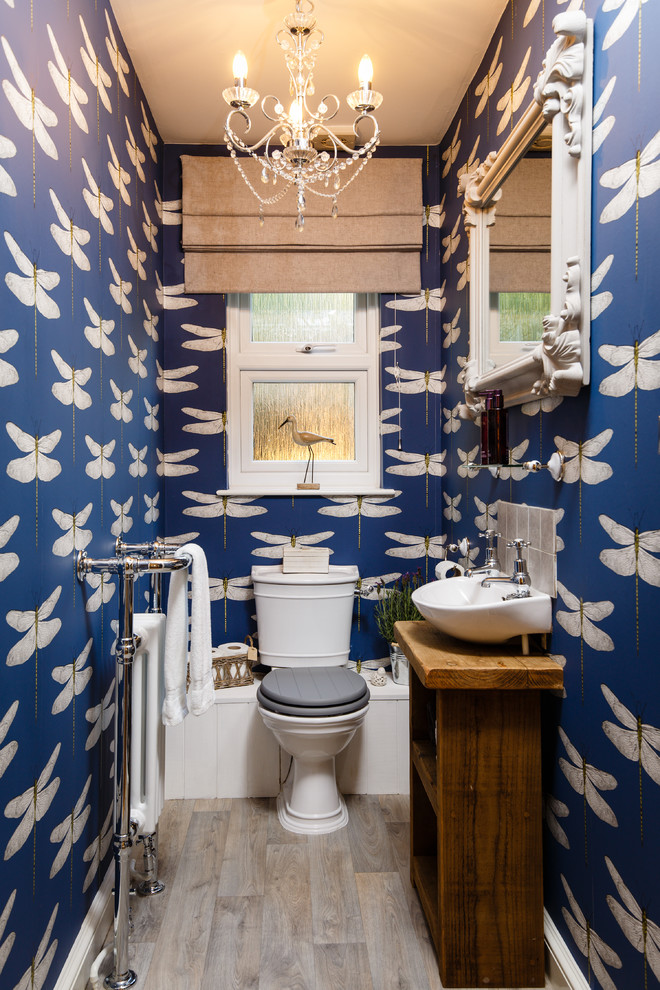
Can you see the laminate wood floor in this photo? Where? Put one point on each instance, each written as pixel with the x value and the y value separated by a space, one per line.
pixel 250 906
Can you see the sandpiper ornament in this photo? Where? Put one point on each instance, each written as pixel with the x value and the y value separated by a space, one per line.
pixel 305 439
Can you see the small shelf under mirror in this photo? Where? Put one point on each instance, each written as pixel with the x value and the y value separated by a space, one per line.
pixel 555 466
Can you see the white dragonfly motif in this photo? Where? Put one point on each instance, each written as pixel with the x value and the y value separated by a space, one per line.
pixel 40 630
pixel 136 362
pixel 149 229
pixel 69 831
pixel 36 465
pixel 30 110
pixel 8 373
pixel 7 150
pixel 463 272
pixel 136 256
pixel 99 330
pixel 169 212
pixel 171 296
pixel 135 154
pixel 487 518
pixel 469 165
pixel 642 933
pixel 171 380
pixel 453 420
pixel 588 781
pixel 390 427
pixel 230 589
pixel 101 466
pixel 120 409
pixel 35 977
pixel 119 63
pixel 371 506
pixel 553 809
pixel 8 752
pixel 32 287
pixel 209 422
pixel 150 420
pixel 8 561
pixel 138 469
pixel 120 176
pixel 150 323
pixel 486 88
pixel 466 468
pixel 433 216
pixel 209 338
pixel 123 522
pixel 636 179
pixel 417 546
pixel 450 154
pixel 71 93
pixel 597 953
pixel 100 716
pixel 578 463
pixel 601 128
pixel 452 512
pixel 417 464
pixel 638 370
pixel 515 94
pixel 75 536
pixel 6 946
pixel 452 330
pixel 150 137
pixel 70 391
pixel 278 543
pixel 513 471
pixel 636 741
pixel 371 588
pixel 451 241
pixel 635 557
pixel 600 300
pixel 97 74
pixel 104 589
pixel 389 345
pixel 74 679
pixel 417 381
pixel 32 804
pixel 172 466
pixel 96 850
pixel 153 512
pixel 580 620
pixel 120 289
pixel 426 299
pixel 97 202
pixel 628 10
pixel 69 237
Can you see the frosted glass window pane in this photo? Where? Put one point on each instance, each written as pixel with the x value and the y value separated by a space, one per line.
pixel 307 317
pixel 324 408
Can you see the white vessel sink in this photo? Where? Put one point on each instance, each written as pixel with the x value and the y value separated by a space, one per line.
pixel 462 608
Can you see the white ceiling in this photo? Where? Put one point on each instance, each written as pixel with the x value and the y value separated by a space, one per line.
pixel 424 52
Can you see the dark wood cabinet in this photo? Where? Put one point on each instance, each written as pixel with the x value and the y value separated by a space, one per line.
pixel 475 805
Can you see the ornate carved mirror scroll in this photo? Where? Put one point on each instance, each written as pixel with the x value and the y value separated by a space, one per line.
pixel 556 362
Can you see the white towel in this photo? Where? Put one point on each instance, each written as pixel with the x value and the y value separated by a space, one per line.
pixel 175 707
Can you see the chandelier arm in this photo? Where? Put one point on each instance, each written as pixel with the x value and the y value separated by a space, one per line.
pixel 238 141
pixel 280 116
pixel 330 115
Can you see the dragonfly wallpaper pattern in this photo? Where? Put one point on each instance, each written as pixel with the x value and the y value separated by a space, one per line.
pixel 80 250
pixel 114 404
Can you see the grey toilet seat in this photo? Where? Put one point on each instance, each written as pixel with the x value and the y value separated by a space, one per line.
pixel 313 692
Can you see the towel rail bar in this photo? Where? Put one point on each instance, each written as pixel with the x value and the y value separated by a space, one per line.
pixel 130 567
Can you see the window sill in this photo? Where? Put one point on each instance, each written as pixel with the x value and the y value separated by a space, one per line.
pixel 324 492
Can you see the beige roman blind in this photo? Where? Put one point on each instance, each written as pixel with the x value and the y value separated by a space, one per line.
pixel 520 236
pixel 372 246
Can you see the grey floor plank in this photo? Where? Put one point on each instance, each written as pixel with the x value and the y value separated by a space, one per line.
pixel 184 935
pixel 335 906
pixel 395 807
pixel 278 835
pixel 342 967
pixel 287 956
pixel 394 956
pixel 244 866
pixel 233 959
pixel 368 836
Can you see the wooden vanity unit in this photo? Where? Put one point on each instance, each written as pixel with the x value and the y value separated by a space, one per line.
pixel 475 804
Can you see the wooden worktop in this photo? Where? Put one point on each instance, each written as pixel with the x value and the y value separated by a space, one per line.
pixel 440 661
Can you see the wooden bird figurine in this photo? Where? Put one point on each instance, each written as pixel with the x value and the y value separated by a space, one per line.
pixel 305 439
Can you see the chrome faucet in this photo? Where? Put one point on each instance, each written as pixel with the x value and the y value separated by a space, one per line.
pixel 492 564
pixel 520 577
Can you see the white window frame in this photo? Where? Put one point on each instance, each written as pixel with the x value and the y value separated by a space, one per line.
pixel 250 361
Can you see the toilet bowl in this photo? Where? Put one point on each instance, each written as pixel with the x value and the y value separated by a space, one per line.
pixel 312 704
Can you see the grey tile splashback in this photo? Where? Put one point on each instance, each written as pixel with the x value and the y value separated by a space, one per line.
pixel 538 527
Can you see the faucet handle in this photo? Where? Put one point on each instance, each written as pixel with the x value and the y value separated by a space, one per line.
pixel 519 545
pixel 490 535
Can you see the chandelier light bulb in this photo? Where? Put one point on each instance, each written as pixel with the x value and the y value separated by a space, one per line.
pixel 295 113
pixel 365 72
pixel 240 69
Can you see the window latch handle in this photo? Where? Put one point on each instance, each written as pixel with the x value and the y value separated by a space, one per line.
pixel 310 348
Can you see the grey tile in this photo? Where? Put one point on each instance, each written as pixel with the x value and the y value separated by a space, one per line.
pixel 534 532
pixel 548 531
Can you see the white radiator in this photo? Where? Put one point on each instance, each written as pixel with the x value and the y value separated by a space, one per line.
pixel 147 729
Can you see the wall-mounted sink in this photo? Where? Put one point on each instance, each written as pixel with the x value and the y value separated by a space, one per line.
pixel 463 608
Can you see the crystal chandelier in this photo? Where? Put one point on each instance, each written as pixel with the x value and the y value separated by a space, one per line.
pixel 290 150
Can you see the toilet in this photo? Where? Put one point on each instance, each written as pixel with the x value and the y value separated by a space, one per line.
pixel 309 700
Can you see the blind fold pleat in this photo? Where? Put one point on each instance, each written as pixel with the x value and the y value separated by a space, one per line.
pixel 372 246
pixel 520 237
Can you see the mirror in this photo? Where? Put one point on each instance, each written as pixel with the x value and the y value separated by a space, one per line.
pixel 527 212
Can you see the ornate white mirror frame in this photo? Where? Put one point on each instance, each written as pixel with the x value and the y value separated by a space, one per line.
pixel 559 364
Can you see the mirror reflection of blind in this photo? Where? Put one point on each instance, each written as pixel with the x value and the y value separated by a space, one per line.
pixel 520 238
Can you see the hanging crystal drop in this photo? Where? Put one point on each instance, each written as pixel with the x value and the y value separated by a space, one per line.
pixel 264 175
pixel 300 222
pixel 261 216
pixel 335 211
pixel 337 182
pixel 301 201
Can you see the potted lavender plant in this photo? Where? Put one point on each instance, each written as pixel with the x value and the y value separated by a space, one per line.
pixel 395 604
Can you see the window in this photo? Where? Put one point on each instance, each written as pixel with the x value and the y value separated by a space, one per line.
pixel 313 356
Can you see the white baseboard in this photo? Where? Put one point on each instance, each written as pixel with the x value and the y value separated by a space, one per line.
pixel 74 975
pixel 561 968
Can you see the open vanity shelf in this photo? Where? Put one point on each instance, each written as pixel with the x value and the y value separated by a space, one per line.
pixel 475 804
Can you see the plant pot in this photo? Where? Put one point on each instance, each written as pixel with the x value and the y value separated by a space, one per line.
pixel 399 663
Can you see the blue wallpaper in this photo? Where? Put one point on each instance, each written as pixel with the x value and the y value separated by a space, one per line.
pixel 80 258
